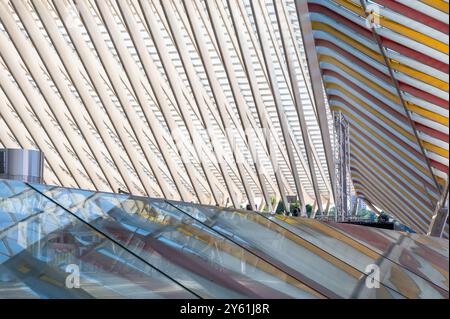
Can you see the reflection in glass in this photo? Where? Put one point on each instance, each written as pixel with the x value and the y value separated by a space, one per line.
pixel 45 249
pixel 136 247
pixel 419 259
pixel 292 253
pixel 201 259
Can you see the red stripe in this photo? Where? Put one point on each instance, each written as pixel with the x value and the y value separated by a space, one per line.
pixel 355 60
pixel 402 85
pixel 415 15
pixel 431 131
pixel 423 95
pixel 415 55
pixel 439 166
pixel 386 42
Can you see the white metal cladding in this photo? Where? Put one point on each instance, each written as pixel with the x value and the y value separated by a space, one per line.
pixel 119 94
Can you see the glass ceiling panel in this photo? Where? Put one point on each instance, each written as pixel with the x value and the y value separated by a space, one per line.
pixel 129 246
pixel 39 252
pixel 418 256
pixel 289 251
pixel 190 252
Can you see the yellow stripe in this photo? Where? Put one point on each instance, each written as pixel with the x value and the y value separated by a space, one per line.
pixel 435 149
pixel 419 75
pixel 388 144
pixel 356 75
pixel 405 285
pixel 427 114
pixel 429 146
pixel 382 189
pixel 441 181
pixel 407 32
pixel 409 105
pixel 376 192
pixel 423 77
pixel 437 4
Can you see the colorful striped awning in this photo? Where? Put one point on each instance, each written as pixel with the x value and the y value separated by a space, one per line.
pixel 384 65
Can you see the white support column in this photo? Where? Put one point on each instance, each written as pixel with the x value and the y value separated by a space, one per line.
pixel 298 103
pixel 26 52
pixel 226 109
pixel 285 73
pixel 132 71
pixel 152 72
pixel 176 89
pixel 36 102
pixel 279 106
pixel 254 86
pixel 272 133
pixel 20 126
pixel 236 91
pixel 136 125
pixel 91 66
pixel 73 106
pixel 316 84
pixel 198 96
pixel 76 74
pixel 306 81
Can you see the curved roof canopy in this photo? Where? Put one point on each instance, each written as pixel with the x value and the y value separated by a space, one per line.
pixel 385 66
pixel 152 97
pixel 230 102
pixel 125 246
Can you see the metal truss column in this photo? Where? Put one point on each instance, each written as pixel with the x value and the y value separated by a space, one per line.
pixel 342 165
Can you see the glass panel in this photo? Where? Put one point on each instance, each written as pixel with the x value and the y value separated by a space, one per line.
pixel 343 238
pixel 435 243
pixel 419 254
pixel 45 249
pixel 293 254
pixel 198 257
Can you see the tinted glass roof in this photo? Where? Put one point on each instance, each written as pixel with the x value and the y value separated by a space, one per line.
pixel 126 246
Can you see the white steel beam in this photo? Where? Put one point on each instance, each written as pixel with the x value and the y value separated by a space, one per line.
pixel 316 85
pixel 76 74
pixel 279 106
pixel 132 71
pixel 198 97
pixel 298 103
